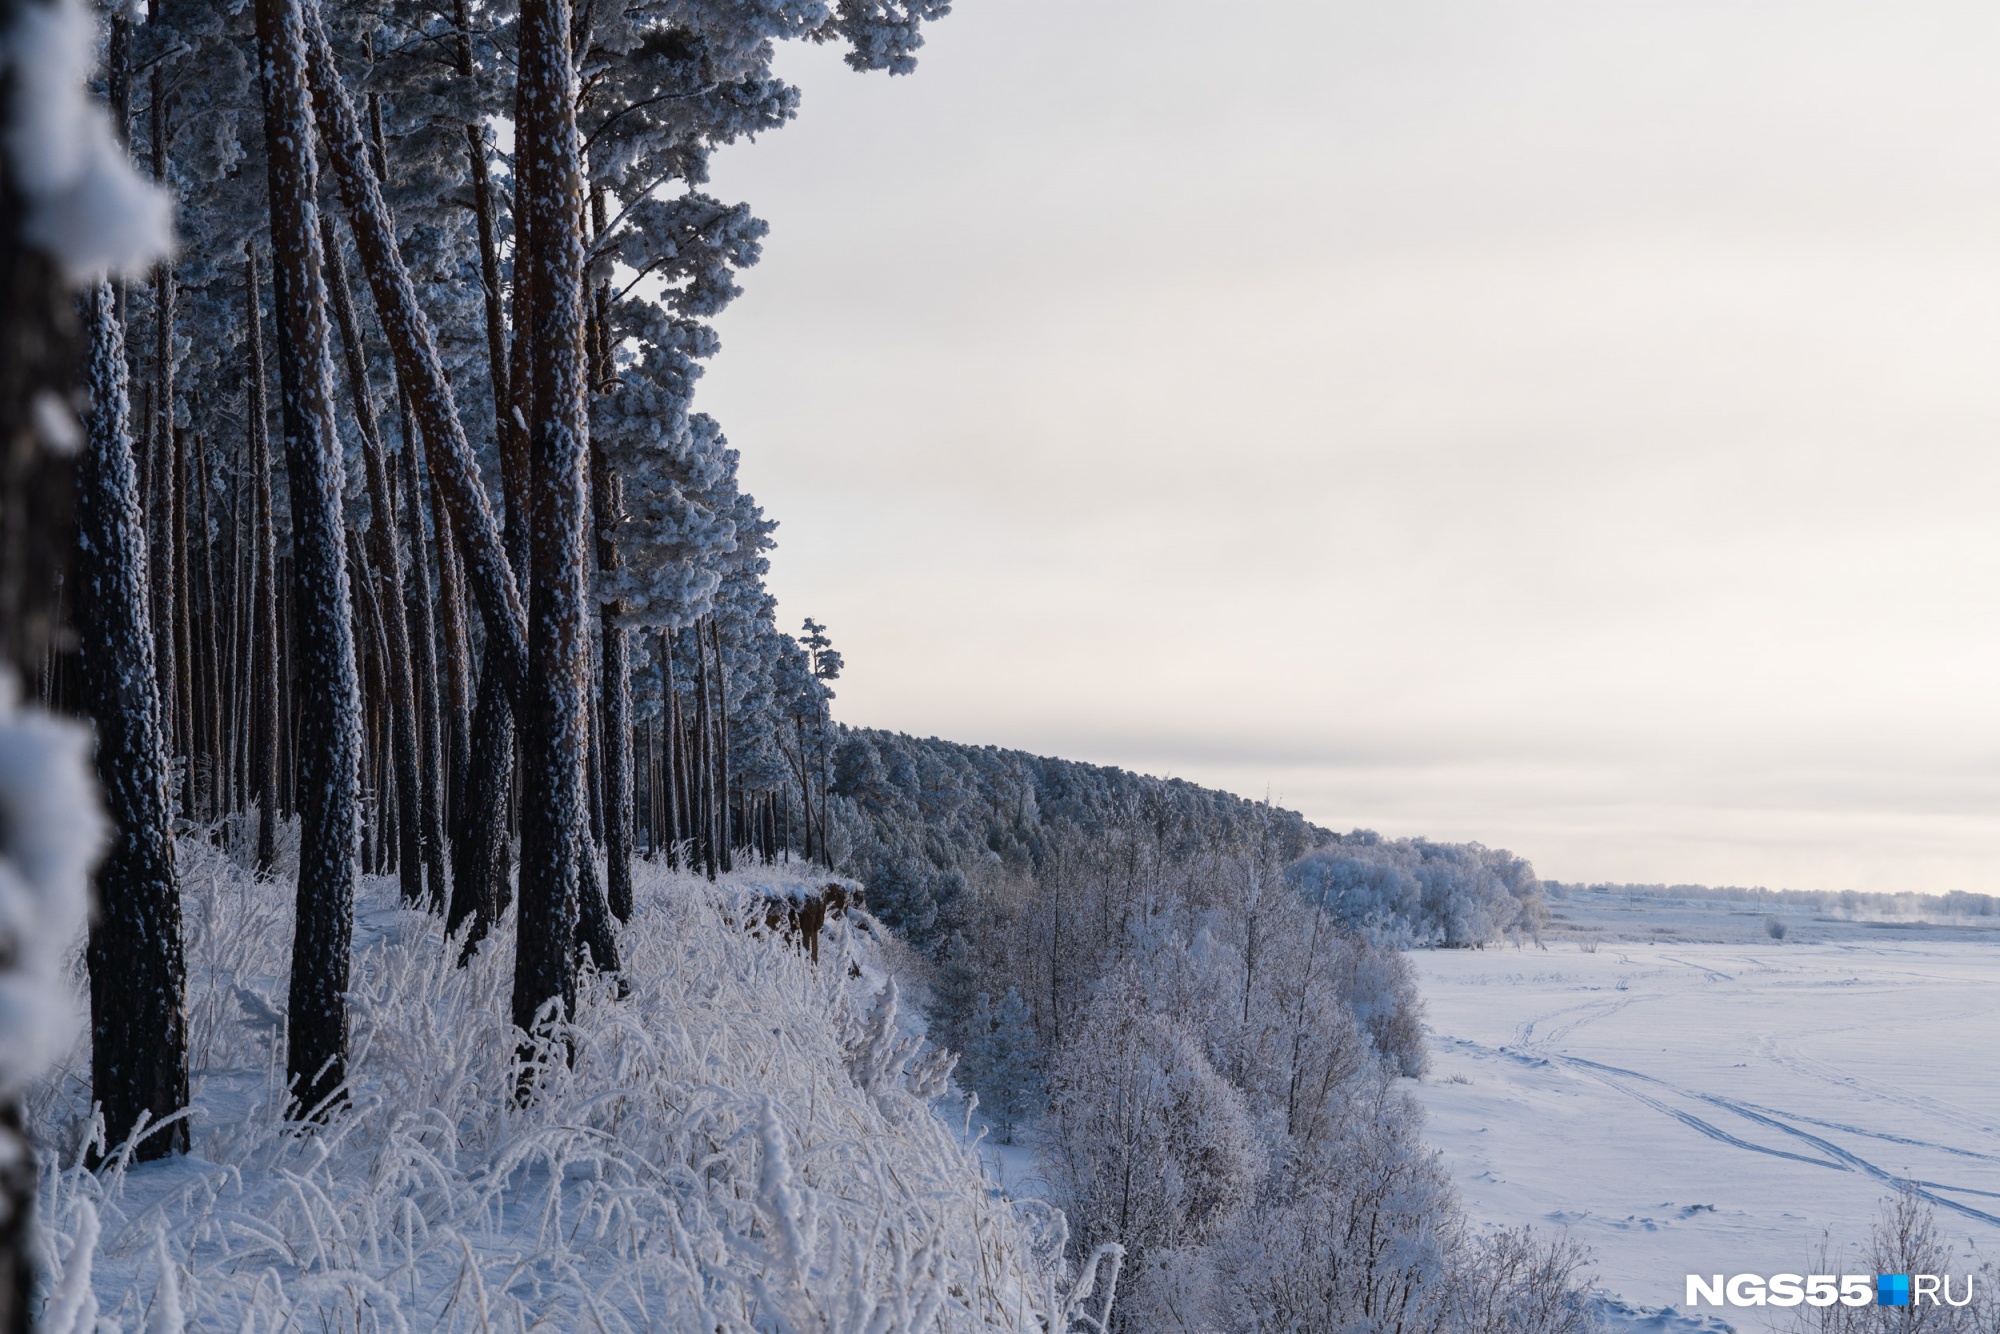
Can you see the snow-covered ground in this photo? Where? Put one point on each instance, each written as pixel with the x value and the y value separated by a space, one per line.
pixel 746 1140
pixel 1687 1095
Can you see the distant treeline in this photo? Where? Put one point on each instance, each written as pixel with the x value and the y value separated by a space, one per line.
pixel 910 816
pixel 1955 904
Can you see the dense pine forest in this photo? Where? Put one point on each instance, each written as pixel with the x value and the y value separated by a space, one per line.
pixel 394 515
pixel 482 919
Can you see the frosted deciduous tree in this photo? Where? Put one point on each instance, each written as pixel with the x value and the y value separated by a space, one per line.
pixel 1415 891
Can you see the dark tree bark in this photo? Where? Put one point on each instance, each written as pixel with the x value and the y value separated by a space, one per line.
pixel 402 702
pixel 679 771
pixel 138 977
pixel 489 254
pixel 213 728
pixel 180 605
pixel 728 851
pixel 553 721
pixel 165 494
pixel 455 667
pixel 266 690
pixel 704 758
pixel 423 664
pixel 479 853
pixel 614 732
pixel 454 471
pixel 329 741
pixel 454 474
pixel 618 794
pixel 236 640
pixel 371 658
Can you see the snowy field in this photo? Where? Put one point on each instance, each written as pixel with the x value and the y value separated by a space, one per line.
pixel 1688 1095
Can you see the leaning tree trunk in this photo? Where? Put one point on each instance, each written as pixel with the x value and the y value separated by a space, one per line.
pixel 329 732
pixel 454 472
pixel 388 563
pixel 138 977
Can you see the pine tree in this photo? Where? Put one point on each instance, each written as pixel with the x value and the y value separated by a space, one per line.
pixel 553 741
pixel 386 558
pixel 138 1006
pixel 329 732
pixel 263 678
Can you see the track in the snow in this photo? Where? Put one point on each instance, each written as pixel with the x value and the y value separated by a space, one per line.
pixel 1828 1155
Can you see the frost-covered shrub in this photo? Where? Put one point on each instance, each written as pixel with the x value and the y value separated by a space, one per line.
pixel 1380 990
pixel 1906 1239
pixel 1358 1234
pixel 1149 1146
pixel 1365 1234
pixel 1416 892
pixel 1517 1283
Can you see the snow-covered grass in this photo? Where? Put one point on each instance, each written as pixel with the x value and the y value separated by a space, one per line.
pixel 745 1141
pixel 1718 1107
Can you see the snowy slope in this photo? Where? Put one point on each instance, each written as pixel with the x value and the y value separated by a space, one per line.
pixel 746 1141
pixel 1689 1107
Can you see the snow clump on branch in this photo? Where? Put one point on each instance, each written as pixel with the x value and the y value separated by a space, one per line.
pixel 87 207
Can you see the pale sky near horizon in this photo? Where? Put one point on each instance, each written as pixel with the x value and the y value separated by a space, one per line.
pixel 1567 426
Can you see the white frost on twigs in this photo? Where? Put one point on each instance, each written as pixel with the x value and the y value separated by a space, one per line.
pixel 87 207
pixel 50 833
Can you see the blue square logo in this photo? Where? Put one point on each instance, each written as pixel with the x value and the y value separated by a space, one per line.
pixel 1892 1289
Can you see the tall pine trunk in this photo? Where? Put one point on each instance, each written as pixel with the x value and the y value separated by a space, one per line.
pixel 211 645
pixel 618 785
pixel 615 679
pixel 722 746
pixel 422 621
pixel 554 813
pixel 265 681
pixel 479 844
pixel 138 976
pixel 165 557
pixel 329 732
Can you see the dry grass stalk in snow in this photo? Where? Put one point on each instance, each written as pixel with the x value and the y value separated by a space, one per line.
pixel 747 1141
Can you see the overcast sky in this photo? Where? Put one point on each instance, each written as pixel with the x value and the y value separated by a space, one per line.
pixel 1574 427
